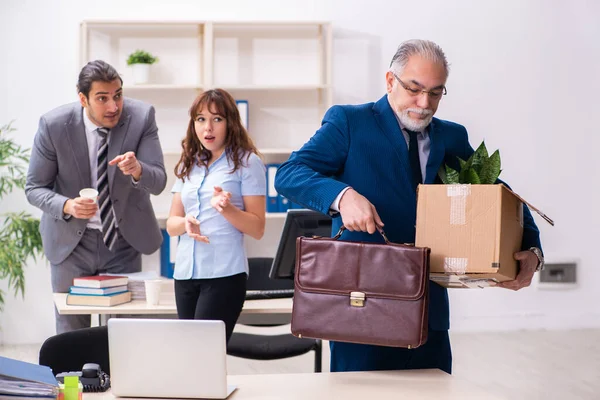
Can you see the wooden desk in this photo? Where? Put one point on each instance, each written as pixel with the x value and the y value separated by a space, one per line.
pixel 416 384
pixel 140 307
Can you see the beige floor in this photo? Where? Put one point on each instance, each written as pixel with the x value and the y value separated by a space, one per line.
pixel 519 365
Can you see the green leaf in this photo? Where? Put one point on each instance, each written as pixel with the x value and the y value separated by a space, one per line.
pixel 141 57
pixel 464 168
pixel 491 169
pixel 452 176
pixel 471 177
pixel 479 157
pixel 442 175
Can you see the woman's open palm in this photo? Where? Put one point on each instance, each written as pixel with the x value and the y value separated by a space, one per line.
pixel 192 228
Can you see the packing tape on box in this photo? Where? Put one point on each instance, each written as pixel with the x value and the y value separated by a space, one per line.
pixel 455 265
pixel 458 203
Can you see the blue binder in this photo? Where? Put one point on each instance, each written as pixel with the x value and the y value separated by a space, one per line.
pixel 167 260
pixel 284 204
pixel 21 378
pixel 272 195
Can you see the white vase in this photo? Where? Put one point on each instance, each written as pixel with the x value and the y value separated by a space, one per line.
pixel 141 73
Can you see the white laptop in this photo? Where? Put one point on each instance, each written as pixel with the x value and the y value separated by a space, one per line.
pixel 168 358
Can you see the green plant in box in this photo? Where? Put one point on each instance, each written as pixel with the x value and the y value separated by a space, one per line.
pixel 479 169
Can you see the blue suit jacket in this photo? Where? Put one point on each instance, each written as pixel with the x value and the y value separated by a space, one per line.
pixel 363 147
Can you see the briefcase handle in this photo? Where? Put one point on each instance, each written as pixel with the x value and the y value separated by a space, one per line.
pixel 343 228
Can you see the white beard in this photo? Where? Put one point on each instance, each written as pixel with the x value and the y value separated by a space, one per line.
pixel 417 125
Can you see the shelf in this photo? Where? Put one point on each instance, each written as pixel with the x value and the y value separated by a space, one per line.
pixel 149 29
pixel 264 152
pixel 166 86
pixel 272 87
pixel 162 87
pixel 269 151
pixel 267 24
pixel 275 30
pixel 162 217
pixel 282 68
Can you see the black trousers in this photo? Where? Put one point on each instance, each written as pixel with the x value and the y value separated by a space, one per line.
pixel 213 299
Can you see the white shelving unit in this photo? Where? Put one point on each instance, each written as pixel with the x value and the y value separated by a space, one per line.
pixel 283 70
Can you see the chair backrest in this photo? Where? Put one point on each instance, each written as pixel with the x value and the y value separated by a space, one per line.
pixel 259 276
pixel 69 351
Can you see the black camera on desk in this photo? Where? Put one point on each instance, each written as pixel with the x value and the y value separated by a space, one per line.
pixel 91 377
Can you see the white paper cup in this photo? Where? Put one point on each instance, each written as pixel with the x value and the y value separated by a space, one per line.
pixel 153 289
pixel 89 193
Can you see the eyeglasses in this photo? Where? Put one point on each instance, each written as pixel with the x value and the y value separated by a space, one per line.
pixel 435 94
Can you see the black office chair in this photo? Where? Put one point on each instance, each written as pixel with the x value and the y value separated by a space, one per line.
pixel 69 351
pixel 270 347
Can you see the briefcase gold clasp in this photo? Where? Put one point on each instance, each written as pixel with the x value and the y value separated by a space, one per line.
pixel 357 299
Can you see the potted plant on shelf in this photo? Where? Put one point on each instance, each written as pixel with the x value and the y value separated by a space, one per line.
pixel 140 62
pixel 19 232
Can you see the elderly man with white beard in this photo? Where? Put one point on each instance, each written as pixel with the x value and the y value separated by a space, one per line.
pixel 363 166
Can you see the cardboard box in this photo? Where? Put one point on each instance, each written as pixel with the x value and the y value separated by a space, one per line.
pixel 473 232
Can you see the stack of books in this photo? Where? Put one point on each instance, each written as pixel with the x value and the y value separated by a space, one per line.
pixel 99 290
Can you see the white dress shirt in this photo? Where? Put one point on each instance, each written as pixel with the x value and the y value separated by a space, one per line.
pixel 92 140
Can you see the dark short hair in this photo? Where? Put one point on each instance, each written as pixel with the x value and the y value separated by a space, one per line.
pixel 95 71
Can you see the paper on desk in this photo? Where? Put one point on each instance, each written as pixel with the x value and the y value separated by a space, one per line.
pixel 139 276
pixel 137 287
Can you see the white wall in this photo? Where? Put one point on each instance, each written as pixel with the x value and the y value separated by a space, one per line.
pixel 524 78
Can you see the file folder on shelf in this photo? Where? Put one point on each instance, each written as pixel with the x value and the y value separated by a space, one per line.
pixel 243 109
pixel 273 200
pixel 284 204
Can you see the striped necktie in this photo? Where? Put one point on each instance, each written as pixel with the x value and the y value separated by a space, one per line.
pixel 107 217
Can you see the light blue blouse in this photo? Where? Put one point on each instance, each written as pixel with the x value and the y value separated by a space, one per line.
pixel 225 255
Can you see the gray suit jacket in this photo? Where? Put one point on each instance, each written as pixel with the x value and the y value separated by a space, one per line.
pixel 60 167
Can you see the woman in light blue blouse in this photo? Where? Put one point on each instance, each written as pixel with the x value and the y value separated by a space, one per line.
pixel 219 196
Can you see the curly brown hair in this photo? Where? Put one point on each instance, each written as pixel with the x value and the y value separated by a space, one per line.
pixel 237 141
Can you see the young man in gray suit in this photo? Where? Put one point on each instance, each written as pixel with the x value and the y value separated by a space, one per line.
pixel 105 142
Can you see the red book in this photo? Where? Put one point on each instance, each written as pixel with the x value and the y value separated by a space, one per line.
pixel 100 281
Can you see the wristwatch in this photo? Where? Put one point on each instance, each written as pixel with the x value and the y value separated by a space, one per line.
pixel 540 257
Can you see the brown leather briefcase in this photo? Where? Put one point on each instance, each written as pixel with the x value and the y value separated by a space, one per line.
pixel 369 293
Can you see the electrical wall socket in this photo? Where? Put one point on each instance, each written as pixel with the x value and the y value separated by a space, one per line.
pixel 562 275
